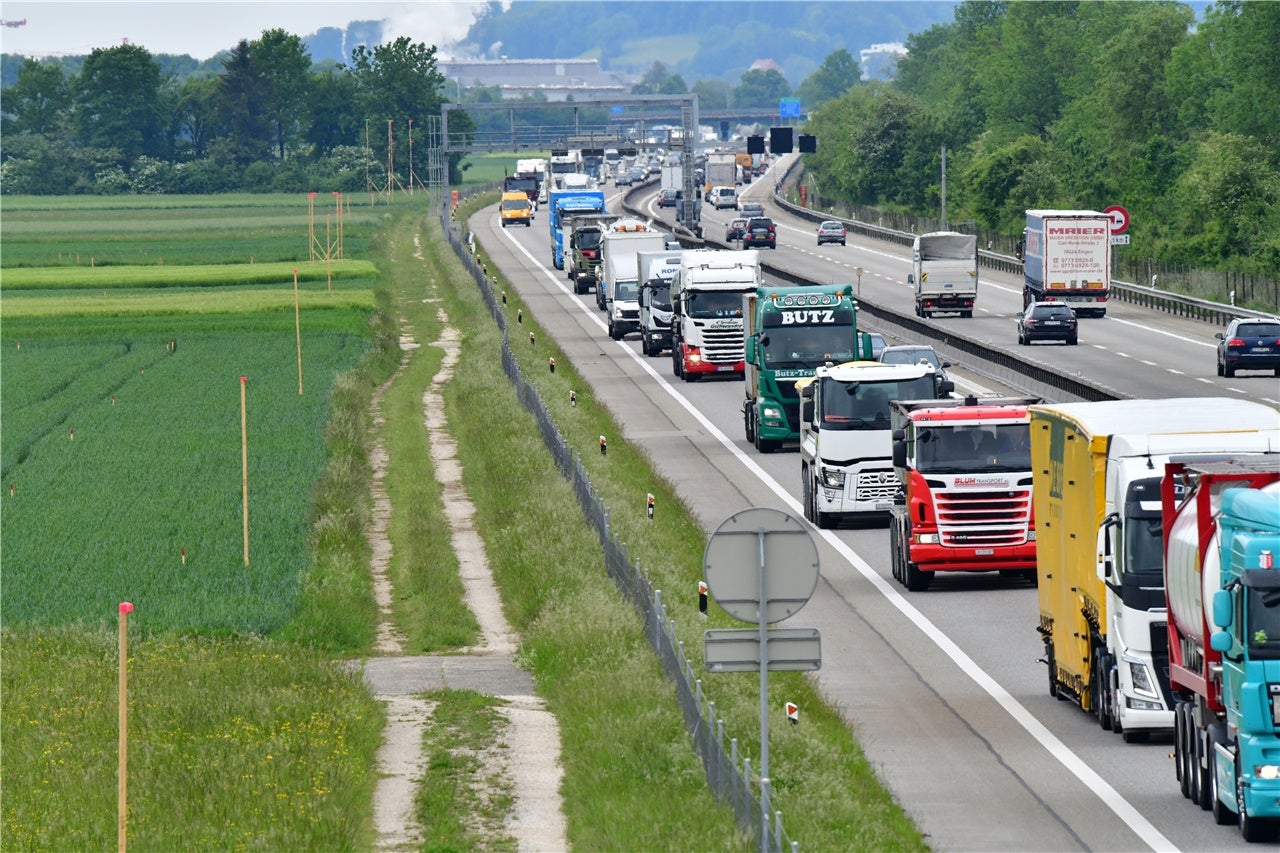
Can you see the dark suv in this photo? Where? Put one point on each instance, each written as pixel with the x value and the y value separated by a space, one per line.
pixel 1047 321
pixel 760 232
pixel 1249 344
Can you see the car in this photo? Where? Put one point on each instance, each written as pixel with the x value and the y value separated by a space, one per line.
pixel 831 231
pixel 914 354
pixel 721 197
pixel 1047 321
pixel 623 178
pixel 750 209
pixel 878 343
pixel 639 174
pixel 1249 343
pixel 760 232
pixel 736 230
pixel 667 198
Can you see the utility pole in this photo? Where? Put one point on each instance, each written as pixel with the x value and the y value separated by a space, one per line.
pixel 944 188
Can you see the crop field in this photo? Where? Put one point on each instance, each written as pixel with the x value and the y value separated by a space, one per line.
pixel 120 385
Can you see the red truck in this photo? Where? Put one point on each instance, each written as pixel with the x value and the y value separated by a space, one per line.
pixel 965 468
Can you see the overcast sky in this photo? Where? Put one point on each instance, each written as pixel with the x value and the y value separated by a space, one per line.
pixel 201 28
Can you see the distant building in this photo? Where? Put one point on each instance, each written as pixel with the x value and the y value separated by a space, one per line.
pixel 555 79
pixel 766 65
pixel 880 61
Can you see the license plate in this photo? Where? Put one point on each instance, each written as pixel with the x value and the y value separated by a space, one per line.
pixel 1261 349
pixel 724 368
pixel 984 552
pixel 1053 322
pixel 884 505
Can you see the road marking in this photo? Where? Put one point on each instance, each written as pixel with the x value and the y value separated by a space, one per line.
pixel 1112 798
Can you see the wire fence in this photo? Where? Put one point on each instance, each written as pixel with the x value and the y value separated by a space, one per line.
pixel 728 773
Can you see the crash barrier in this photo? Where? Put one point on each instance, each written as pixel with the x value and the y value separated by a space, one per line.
pixel 728 773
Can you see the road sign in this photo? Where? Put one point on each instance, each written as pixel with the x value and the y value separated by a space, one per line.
pixel 738 649
pixel 1119 218
pixel 1119 239
pixel 755 541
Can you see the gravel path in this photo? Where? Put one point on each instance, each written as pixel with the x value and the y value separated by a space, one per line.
pixel 529 757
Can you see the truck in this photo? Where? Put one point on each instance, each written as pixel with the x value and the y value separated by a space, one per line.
pixel 671 177
pixel 790 333
pixel 585 234
pixel 535 168
pixel 527 185
pixel 964 471
pixel 619 287
pixel 1067 258
pixel 846 454
pixel 564 161
pixel 944 273
pixel 656 271
pixel 1221 522
pixel 707 335
pixel 564 205
pixel 746 166
pixel 1096 473
pixel 721 171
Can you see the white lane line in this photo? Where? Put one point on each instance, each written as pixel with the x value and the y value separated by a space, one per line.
pixel 1112 798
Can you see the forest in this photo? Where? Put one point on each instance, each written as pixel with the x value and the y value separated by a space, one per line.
pixel 1038 105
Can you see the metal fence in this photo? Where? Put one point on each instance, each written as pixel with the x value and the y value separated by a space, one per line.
pixel 728 773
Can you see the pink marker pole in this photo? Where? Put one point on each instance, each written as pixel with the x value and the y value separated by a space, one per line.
pixel 244 462
pixel 122 799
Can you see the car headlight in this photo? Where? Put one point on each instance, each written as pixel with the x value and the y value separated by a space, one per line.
pixel 832 478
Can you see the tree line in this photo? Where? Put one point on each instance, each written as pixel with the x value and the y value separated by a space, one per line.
pixel 1078 105
pixel 270 121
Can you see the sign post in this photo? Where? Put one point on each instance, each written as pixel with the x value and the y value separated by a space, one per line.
pixel 761 565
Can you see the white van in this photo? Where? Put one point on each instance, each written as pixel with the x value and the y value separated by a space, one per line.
pixel 722 197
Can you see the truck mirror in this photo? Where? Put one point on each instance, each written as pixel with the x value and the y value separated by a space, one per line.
pixel 1106 563
pixel 946 387
pixel 911 279
pixel 1220 641
pixel 899 454
pixel 1222 615
pixel 750 353
pixel 898 435
pixel 806 410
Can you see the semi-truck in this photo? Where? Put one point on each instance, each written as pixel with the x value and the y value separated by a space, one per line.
pixel 564 161
pixel 656 271
pixel 790 333
pixel 564 205
pixel 585 234
pixel 536 168
pixel 1096 472
pixel 846 455
pixel 1067 258
pixel 620 272
pixel 707 336
pixel 964 466
pixel 944 273
pixel 1221 537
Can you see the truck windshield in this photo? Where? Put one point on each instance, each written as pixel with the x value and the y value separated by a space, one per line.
pixel 589 238
pixel 1144 533
pixel 953 450
pixel 660 294
pixel 807 346
pixel 625 290
pixel 715 304
pixel 865 405
pixel 1263 623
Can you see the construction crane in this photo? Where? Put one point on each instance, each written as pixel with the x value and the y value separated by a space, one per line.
pixel 14 24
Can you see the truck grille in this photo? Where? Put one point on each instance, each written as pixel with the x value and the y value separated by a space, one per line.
pixel 630 314
pixel 881 485
pixel 723 346
pixel 983 519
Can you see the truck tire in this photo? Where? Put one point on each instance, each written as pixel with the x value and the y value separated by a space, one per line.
pixel 749 422
pixel 1099 693
pixel 895 543
pixel 1181 720
pixel 766 445
pixel 806 496
pixel 917 581
pixel 1201 787
pixel 1217 734
pixel 1052 666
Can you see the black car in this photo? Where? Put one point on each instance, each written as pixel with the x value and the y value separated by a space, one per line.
pixel 735 230
pixel 1249 344
pixel 760 232
pixel 667 198
pixel 1047 321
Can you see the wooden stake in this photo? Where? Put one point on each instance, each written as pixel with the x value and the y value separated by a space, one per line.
pixel 122 800
pixel 244 462
pixel 297 325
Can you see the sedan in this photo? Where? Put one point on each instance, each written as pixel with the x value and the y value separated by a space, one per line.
pixel 831 232
pixel 667 198
pixel 1047 321
pixel 1249 344
pixel 736 230
pixel 750 209
pixel 914 354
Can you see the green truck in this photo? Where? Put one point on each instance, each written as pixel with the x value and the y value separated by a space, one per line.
pixel 790 333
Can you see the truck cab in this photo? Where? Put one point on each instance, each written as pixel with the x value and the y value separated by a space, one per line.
pixel 656 271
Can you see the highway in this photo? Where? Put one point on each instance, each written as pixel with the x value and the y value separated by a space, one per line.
pixel 943 689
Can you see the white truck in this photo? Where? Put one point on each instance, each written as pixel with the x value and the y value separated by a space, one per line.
pixel 944 273
pixel 672 177
pixel 656 271
pixel 707 332
pixel 846 449
pixel 1096 478
pixel 1067 258
pixel 618 290
pixel 721 171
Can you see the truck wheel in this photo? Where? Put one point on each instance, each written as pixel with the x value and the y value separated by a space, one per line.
pixel 917 581
pixel 1217 734
pixel 749 423
pixel 1052 667
pixel 766 445
pixel 895 559
pixel 1031 576
pixel 824 520
pixel 1200 786
pixel 1181 719
pixel 1099 697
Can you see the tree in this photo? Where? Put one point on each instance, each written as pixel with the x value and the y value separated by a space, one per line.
pixel 713 94
pixel 838 73
pixel 283 63
pixel 240 89
pixel 118 102
pixel 761 88
pixel 196 113
pixel 38 101
pixel 334 119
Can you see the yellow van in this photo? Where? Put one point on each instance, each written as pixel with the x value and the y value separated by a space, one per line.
pixel 515 209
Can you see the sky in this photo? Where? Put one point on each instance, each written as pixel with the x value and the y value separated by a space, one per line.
pixel 202 28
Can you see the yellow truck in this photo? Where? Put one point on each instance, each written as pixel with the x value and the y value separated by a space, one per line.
pixel 1096 473
pixel 515 209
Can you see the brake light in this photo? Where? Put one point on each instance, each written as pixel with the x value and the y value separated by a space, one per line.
pixel 1236 342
